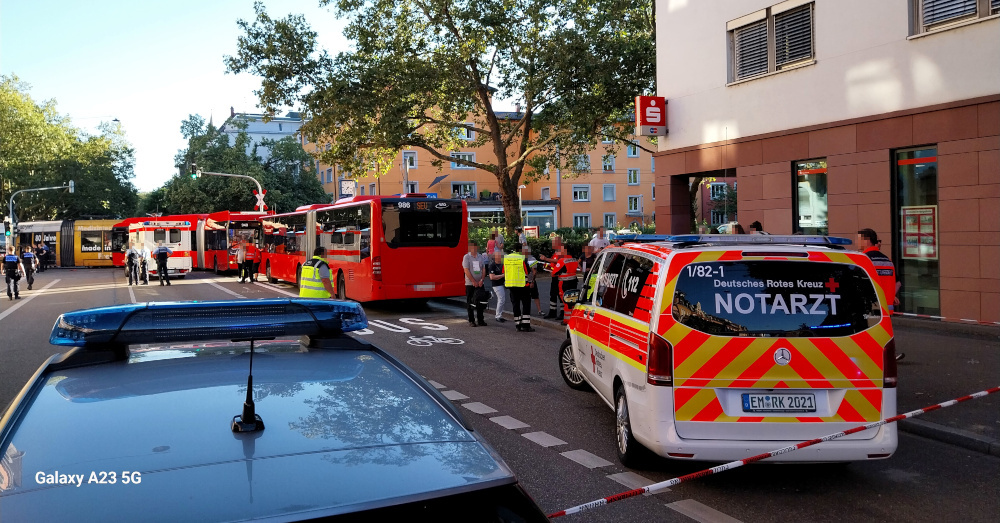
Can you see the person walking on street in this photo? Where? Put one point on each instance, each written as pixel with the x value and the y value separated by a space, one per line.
pixel 12 271
pixel 515 268
pixel 491 244
pixel 162 254
pixel 241 260
pixel 29 264
pixel 472 265
pixel 532 276
pixel 495 269
pixel 40 254
pixel 521 238
pixel 253 261
pixel 315 279
pixel 144 258
pixel 599 242
pixel 132 263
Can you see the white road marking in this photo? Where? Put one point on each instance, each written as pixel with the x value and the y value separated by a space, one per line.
pixel 223 289
pixel 544 439
pixel 479 408
pixel 701 512
pixel 436 385
pixel 633 480
pixel 586 459
pixel 508 422
pixel 454 395
pixel 25 300
pixel 131 294
pixel 276 288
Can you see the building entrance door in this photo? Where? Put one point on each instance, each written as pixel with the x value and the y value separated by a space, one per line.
pixel 916 231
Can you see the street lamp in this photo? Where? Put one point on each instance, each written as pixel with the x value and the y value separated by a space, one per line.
pixel 71 186
pixel 520 207
pixel 196 173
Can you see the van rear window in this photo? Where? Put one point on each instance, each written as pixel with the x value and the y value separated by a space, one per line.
pixel 775 299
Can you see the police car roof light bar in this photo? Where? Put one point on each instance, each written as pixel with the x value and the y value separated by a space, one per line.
pixel 168 322
pixel 765 239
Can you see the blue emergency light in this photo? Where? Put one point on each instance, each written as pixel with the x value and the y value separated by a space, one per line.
pixel 168 322
pixel 759 239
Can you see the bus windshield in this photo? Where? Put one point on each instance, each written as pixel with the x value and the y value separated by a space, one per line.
pixel 421 223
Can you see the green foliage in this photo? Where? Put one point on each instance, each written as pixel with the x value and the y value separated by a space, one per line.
pixel 288 174
pixel 419 68
pixel 40 148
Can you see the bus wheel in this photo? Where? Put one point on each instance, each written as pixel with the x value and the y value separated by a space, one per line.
pixel 270 279
pixel 341 289
pixel 216 263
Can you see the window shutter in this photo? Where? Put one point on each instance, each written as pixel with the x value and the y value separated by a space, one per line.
pixel 750 42
pixel 793 35
pixel 936 11
pixel 994 6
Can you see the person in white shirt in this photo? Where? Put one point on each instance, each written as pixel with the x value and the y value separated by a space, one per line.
pixel 144 257
pixel 599 242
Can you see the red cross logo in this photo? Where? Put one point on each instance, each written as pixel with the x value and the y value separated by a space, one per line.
pixel 832 285
pixel 593 360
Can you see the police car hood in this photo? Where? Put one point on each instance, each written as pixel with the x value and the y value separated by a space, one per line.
pixel 345 430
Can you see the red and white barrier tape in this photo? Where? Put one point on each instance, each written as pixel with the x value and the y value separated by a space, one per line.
pixel 942 318
pixel 656 487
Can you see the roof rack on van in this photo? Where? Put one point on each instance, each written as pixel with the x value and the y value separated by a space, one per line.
pixel 758 239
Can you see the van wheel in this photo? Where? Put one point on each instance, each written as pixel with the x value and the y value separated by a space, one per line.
pixel 270 279
pixel 341 288
pixel 298 275
pixel 630 451
pixel 567 367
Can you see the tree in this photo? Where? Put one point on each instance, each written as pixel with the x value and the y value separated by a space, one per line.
pixel 288 174
pixel 423 70
pixel 40 148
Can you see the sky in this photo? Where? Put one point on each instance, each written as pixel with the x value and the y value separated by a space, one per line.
pixel 148 63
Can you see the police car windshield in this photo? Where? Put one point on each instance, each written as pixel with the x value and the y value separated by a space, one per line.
pixel 775 298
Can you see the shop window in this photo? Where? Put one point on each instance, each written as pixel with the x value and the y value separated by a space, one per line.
pixel 810 205
pixel 916 231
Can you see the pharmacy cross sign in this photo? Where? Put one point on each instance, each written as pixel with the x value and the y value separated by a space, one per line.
pixel 260 199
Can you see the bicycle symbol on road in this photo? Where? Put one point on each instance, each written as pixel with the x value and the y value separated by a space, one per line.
pixel 427 341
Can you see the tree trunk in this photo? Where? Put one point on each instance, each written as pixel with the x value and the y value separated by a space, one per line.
pixel 511 207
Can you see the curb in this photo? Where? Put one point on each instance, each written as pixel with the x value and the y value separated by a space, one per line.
pixel 954 436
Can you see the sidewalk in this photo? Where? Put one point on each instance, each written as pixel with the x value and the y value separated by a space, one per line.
pixel 943 361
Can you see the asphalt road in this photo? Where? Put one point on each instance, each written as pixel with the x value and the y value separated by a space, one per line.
pixel 559 441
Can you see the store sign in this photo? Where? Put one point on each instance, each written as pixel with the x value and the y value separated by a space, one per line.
pixel 651 116
pixel 920 239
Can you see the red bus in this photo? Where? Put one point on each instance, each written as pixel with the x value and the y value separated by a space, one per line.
pixel 220 233
pixel 378 248
pixel 177 232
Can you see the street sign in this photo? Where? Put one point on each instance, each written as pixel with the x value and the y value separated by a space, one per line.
pixel 651 116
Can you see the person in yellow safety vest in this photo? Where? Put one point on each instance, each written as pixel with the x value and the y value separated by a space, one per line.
pixel 315 279
pixel 515 268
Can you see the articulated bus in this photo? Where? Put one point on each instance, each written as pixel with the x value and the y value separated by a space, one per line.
pixel 219 235
pixel 378 248
pixel 177 232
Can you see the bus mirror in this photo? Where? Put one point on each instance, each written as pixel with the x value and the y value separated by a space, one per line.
pixel 570 297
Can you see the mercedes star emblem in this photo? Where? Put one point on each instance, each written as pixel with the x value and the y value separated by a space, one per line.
pixel 782 356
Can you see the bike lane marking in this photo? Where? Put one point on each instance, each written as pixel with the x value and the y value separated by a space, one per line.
pixel 25 300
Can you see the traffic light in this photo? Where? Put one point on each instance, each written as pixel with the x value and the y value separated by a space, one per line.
pixel 195 173
pixel 6 227
pixel 72 186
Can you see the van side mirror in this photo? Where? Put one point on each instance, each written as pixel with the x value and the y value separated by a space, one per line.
pixel 571 296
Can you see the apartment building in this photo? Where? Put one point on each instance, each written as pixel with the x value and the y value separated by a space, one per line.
pixel 837 115
pixel 257 129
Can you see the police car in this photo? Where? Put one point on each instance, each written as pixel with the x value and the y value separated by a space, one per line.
pixel 719 347
pixel 219 411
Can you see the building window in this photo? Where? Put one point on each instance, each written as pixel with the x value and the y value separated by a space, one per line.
pixel 583 163
pixel 581 193
pixel 610 220
pixel 608 163
pixel 719 217
pixel 633 176
pixel 412 187
pixel 652 164
pixel 810 203
pixel 581 220
pixel 329 175
pixel 789 33
pixel 469 157
pixel 930 15
pixel 545 193
pixel 463 189
pixel 371 189
pixel 717 190
pixel 632 151
pixel 464 133
pixel 361 190
pixel 654 191
pixel 609 192
pixel 410 159
pixel 635 205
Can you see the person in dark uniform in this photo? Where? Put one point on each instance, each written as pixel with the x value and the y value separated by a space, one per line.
pixel 12 271
pixel 162 254
pixel 40 254
pixel 144 258
pixel 29 263
pixel 515 268
pixel 554 285
pixel 132 264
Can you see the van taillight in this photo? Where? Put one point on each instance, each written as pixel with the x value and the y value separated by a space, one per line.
pixel 377 268
pixel 659 367
pixel 889 365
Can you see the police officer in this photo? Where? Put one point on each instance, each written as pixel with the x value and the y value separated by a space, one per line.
pixel 144 258
pixel 132 263
pixel 515 268
pixel 40 254
pixel 315 279
pixel 12 270
pixel 162 254
pixel 29 264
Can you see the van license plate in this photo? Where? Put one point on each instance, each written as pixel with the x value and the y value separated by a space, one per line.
pixel 424 287
pixel 779 403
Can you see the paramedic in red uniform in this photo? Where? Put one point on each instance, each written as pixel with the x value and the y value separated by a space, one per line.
pixel 869 244
pixel 565 271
